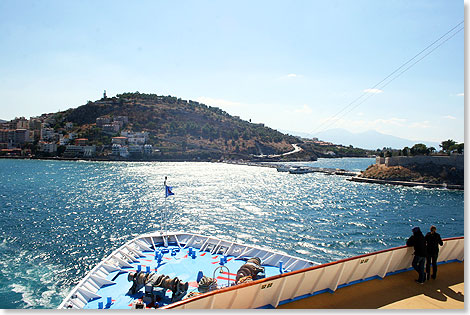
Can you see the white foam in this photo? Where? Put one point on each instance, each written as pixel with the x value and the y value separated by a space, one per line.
pixel 26 296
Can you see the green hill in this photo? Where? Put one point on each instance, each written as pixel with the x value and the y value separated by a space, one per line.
pixel 180 129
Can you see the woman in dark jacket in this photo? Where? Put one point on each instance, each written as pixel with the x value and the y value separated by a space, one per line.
pixel 433 240
pixel 417 241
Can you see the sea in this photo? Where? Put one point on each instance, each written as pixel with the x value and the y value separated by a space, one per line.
pixel 60 218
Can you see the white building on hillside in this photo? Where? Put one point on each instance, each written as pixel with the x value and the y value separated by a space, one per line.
pixel 135 149
pixel 49 147
pixel 123 151
pixel 148 149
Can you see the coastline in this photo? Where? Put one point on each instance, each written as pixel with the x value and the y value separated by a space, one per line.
pixel 95 159
pixel 254 162
pixel 355 175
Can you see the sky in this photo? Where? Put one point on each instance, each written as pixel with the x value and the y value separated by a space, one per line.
pixel 293 65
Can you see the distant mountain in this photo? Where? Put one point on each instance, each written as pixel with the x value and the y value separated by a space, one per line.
pixel 370 139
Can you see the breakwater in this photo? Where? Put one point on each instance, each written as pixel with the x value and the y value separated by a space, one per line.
pixel 456 161
pixel 310 169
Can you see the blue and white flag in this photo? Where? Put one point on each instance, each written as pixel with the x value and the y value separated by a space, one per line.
pixel 168 189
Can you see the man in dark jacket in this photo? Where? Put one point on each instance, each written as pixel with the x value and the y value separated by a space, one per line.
pixel 433 240
pixel 418 242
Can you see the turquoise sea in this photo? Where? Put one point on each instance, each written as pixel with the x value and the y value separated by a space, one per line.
pixel 60 218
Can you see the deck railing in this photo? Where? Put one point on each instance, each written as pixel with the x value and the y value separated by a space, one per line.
pixel 291 286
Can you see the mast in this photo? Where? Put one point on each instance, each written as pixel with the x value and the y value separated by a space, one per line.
pixel 163 225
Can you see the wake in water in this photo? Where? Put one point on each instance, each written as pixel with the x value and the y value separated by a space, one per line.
pixel 31 282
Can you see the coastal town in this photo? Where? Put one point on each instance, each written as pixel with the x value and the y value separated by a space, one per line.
pixel 40 136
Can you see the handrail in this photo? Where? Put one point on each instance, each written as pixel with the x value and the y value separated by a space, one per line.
pixel 287 274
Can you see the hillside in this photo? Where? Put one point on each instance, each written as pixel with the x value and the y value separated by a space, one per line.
pixel 180 129
pixel 150 127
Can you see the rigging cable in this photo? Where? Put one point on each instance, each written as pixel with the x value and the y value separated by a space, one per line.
pixel 390 75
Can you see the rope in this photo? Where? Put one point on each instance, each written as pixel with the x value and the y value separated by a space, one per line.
pixel 207 284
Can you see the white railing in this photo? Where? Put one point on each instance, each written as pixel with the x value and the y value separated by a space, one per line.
pixel 124 256
pixel 298 284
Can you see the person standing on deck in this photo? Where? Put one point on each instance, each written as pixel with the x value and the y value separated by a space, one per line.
pixel 419 243
pixel 433 240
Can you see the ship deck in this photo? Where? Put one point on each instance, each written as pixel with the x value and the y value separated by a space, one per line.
pixel 177 264
pixel 398 291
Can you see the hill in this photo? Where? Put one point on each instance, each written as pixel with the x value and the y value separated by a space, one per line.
pixel 179 129
pixel 136 126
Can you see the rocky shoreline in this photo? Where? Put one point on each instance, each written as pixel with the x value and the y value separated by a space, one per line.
pixel 426 175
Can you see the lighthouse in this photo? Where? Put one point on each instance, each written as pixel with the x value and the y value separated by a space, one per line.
pixel 104 94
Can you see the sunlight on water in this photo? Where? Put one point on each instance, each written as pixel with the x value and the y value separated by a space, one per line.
pixel 59 219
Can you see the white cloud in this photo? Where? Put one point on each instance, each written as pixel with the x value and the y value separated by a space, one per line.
pixel 290 76
pixel 390 121
pixel 421 124
pixel 449 117
pixel 461 94
pixel 373 91
pixel 304 110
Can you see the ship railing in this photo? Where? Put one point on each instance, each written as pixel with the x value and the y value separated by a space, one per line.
pixel 298 284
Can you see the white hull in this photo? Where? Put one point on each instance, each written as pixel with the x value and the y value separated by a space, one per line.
pixel 285 288
pixel 302 280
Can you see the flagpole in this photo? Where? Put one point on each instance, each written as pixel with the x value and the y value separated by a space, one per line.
pixel 168 192
pixel 164 208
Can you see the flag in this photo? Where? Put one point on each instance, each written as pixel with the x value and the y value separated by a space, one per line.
pixel 168 191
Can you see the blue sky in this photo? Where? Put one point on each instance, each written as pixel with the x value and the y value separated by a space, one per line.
pixel 289 64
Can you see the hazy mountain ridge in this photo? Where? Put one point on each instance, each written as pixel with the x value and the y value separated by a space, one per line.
pixel 370 139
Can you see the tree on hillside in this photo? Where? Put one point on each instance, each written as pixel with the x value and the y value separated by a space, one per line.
pixel 406 151
pixel 456 147
pixel 419 149
pixel 446 145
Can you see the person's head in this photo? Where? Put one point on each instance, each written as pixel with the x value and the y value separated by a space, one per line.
pixel 433 229
pixel 415 230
